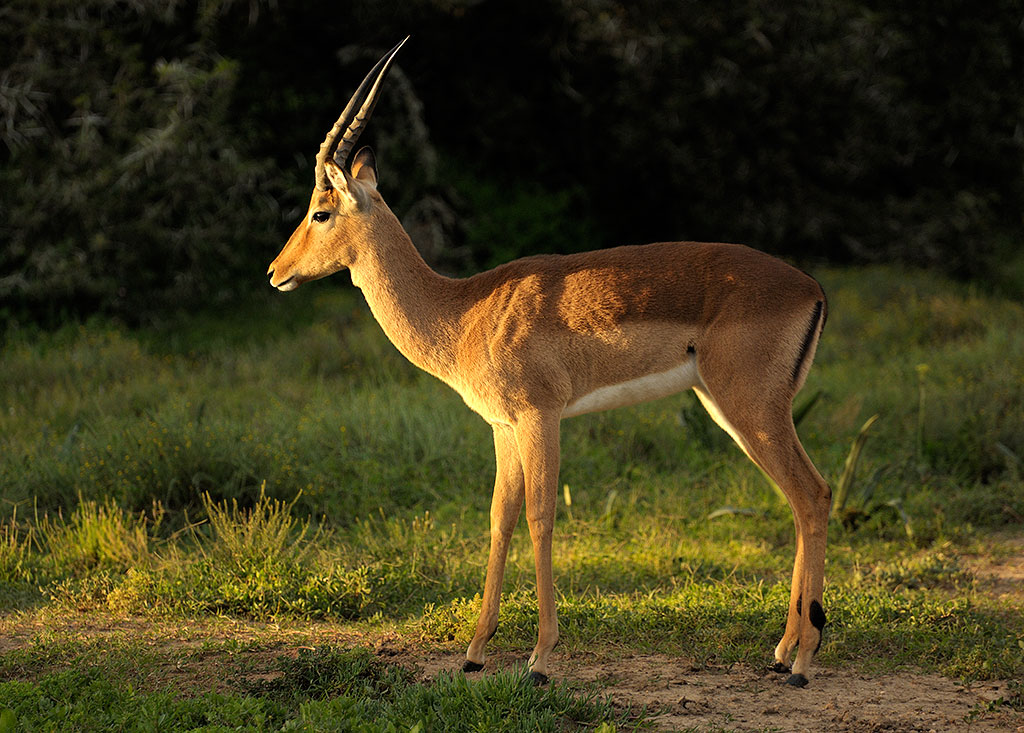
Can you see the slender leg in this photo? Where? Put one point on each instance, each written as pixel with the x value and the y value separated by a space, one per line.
pixel 784 649
pixel 810 498
pixel 506 504
pixel 766 434
pixel 813 570
pixel 538 440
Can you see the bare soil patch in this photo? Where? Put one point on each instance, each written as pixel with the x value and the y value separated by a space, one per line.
pixel 1001 575
pixel 836 700
pixel 742 699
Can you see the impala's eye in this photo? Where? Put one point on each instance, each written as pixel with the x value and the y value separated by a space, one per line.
pixel 321 216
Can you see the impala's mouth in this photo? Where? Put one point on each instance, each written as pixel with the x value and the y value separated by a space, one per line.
pixel 285 285
pixel 289 284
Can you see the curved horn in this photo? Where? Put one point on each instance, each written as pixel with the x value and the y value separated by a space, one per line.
pixel 343 136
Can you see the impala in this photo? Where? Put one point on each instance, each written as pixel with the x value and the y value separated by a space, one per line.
pixel 548 337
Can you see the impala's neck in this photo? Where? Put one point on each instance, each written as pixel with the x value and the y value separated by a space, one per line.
pixel 412 303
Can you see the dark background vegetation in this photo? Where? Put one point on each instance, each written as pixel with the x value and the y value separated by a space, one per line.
pixel 155 155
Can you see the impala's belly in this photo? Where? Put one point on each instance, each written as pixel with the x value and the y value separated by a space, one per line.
pixel 641 389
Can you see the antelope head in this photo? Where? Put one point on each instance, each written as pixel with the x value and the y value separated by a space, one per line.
pixel 345 199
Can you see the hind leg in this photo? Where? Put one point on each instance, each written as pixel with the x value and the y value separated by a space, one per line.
pixel 763 428
pixel 784 649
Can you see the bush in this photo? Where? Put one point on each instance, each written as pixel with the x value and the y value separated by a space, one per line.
pixel 127 187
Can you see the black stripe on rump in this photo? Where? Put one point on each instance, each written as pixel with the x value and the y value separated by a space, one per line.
pixel 808 339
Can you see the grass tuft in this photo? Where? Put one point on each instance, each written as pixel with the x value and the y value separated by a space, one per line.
pixel 264 535
pixel 98 536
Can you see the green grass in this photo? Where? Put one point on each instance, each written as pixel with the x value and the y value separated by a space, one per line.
pixel 284 464
pixel 324 689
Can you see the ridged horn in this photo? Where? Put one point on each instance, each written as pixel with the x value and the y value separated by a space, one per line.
pixel 343 136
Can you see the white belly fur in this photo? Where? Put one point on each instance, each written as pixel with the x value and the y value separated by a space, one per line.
pixel 641 389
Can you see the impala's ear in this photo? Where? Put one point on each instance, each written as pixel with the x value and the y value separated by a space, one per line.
pixel 364 166
pixel 351 196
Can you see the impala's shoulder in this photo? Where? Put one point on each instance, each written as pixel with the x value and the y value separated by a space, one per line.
pixel 508 282
pixel 523 267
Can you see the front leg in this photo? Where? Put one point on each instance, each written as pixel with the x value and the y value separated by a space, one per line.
pixel 538 440
pixel 506 503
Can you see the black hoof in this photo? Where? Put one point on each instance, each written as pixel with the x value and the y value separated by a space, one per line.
pixel 538 679
pixel 796 680
pixel 779 668
pixel 471 666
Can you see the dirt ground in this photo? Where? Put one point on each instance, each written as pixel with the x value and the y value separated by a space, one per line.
pixel 834 701
pixel 745 700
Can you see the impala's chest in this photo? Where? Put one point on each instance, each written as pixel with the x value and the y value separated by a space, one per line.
pixel 499 394
pixel 485 405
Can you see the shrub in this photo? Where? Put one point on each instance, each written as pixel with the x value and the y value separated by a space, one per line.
pixel 127 187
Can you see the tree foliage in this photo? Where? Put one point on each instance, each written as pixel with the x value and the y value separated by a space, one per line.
pixel 155 154
pixel 125 186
